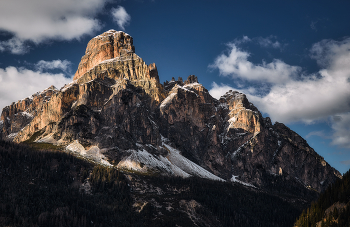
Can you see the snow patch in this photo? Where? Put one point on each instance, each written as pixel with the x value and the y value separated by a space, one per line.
pixel 233 179
pixel 67 86
pixel 142 161
pixel 76 147
pixel 12 135
pixel 188 166
pixel 167 101
pixel 94 153
pixel 192 85
pixel 176 170
pixel 47 139
pixel 184 88
pixel 26 114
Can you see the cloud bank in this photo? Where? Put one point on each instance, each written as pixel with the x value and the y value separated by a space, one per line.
pixel 55 64
pixel 40 20
pixel 293 96
pixel 121 17
pixel 235 64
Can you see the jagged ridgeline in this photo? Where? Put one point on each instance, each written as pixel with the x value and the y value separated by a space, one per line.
pixel 117 113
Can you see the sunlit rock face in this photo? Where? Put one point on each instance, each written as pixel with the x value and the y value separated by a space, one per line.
pixel 117 112
pixel 108 45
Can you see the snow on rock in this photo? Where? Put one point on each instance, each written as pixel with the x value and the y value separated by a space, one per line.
pixel 47 139
pixel 12 136
pixel 233 179
pixel 176 170
pixel 26 114
pixel 188 166
pixel 167 101
pixel 93 153
pixel 187 90
pixel 191 85
pixel 142 161
pixel 76 147
pixel 67 86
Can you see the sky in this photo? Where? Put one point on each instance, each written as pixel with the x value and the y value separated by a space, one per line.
pixel 291 58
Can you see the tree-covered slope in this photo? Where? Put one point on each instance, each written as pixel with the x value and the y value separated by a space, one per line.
pixel 332 207
pixel 53 188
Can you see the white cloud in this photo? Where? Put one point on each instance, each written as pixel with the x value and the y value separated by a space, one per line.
pixel 19 83
pixel 55 64
pixel 309 98
pixel 321 134
pixel 269 42
pixel 14 45
pixel 219 90
pixel 236 65
pixel 40 20
pixel 121 17
pixel 341 127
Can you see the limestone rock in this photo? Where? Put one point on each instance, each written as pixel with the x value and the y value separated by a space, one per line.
pixel 20 113
pixel 108 45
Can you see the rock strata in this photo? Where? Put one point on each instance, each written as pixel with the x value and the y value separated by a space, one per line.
pixel 109 45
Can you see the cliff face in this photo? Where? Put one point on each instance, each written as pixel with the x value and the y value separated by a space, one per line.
pixel 116 111
pixel 108 45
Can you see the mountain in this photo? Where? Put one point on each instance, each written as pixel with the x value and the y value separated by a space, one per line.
pixel 332 207
pixel 117 113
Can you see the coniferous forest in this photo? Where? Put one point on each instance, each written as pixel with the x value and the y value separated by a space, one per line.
pixel 53 188
pixel 332 207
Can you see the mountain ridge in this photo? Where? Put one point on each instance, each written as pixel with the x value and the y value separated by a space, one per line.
pixel 117 110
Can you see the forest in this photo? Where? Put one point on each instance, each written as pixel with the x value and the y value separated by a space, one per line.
pixel 332 207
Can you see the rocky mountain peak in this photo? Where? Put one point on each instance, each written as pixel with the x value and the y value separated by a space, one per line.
pixel 117 112
pixel 110 44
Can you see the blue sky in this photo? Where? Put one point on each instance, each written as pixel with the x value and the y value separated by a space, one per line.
pixel 291 58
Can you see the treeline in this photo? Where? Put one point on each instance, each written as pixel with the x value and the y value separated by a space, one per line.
pixel 41 188
pixel 335 200
pixel 229 204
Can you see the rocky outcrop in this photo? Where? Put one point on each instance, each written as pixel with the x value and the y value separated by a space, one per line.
pixel 117 109
pixel 17 115
pixel 112 55
pixel 109 45
pixel 243 114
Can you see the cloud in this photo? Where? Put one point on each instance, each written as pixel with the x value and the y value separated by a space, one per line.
pixel 19 83
pixel 267 42
pixel 219 90
pixel 236 65
pixel 307 98
pixel 14 45
pixel 341 127
pixel 40 20
pixel 55 64
pixel 321 134
pixel 121 17
pixel 313 25
pixel 346 162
